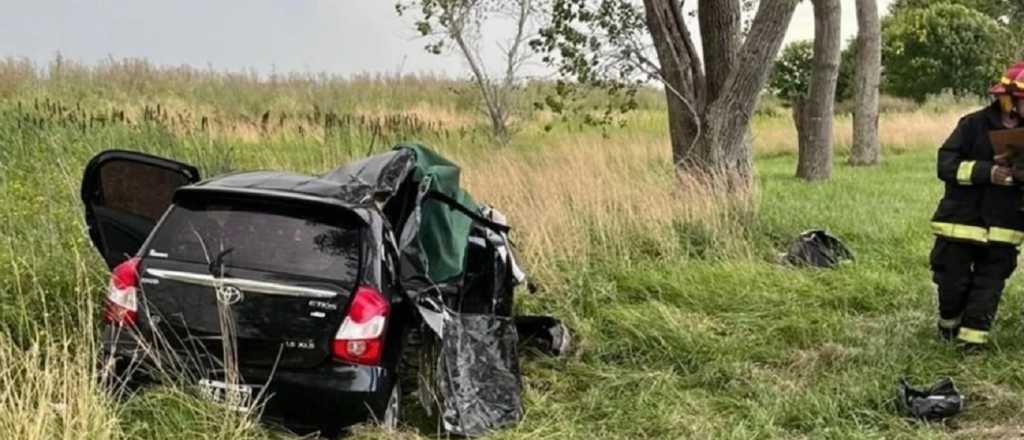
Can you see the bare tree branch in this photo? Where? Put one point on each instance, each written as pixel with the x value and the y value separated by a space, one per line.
pixel 460 23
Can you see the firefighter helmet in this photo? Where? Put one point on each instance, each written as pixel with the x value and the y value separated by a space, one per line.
pixel 1012 82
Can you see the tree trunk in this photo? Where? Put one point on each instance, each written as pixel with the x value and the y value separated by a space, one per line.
pixel 709 117
pixel 722 46
pixel 681 71
pixel 866 148
pixel 816 119
pixel 798 114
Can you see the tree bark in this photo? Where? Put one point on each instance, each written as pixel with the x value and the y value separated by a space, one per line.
pixel 680 70
pixel 816 118
pixel 722 46
pixel 867 78
pixel 709 117
pixel 798 114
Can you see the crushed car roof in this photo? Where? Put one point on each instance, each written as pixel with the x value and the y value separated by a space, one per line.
pixel 352 185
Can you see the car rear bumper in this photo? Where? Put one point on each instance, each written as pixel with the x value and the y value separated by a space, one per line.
pixel 331 396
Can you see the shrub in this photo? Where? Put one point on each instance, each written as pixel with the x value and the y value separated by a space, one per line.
pixel 942 47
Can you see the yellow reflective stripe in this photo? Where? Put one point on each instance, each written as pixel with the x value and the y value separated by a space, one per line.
pixel 949 323
pixel 1007 81
pixel 972 336
pixel 978 233
pixel 1006 236
pixel 963 232
pixel 963 172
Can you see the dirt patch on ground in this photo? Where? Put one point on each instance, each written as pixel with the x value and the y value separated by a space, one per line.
pixel 991 432
pixel 823 357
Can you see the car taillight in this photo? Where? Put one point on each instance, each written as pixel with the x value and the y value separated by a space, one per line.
pixel 360 339
pixel 121 305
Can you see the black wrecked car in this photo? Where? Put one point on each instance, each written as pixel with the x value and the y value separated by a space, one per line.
pixel 313 296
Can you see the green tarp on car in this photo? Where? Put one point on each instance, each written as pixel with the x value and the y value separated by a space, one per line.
pixel 429 210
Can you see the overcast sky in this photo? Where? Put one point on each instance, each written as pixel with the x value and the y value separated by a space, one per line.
pixel 336 36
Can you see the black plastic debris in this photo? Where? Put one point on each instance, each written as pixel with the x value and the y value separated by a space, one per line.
pixel 543 334
pixel 817 248
pixel 479 375
pixel 475 383
pixel 941 401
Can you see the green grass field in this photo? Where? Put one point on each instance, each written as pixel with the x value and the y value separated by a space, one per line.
pixel 686 327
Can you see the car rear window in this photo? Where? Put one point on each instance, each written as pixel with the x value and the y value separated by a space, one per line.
pixel 266 236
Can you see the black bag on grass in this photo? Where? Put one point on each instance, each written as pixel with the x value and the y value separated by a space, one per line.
pixel 940 401
pixel 544 334
pixel 817 248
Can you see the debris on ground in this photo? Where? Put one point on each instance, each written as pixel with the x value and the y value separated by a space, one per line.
pixel 938 402
pixel 816 248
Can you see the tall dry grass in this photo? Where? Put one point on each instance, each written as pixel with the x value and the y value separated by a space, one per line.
pixel 899 131
pixel 580 198
pixel 584 196
pixel 55 390
pixel 50 392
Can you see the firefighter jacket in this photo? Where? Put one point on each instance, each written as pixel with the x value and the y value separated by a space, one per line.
pixel 973 209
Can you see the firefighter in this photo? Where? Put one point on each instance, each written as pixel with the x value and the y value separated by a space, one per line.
pixel 978 224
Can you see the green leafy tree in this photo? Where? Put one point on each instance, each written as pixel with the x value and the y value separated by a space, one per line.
pixel 1004 11
pixel 847 72
pixel 943 47
pixel 791 75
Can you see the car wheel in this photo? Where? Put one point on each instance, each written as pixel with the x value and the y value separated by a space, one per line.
pixel 392 411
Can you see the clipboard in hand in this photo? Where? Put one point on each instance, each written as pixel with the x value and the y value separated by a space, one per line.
pixel 1008 144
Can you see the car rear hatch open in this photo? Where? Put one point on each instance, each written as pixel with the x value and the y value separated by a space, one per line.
pixel 282 270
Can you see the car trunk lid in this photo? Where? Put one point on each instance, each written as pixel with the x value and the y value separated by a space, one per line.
pixel 275 277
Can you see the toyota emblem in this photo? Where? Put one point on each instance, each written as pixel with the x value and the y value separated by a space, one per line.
pixel 229 295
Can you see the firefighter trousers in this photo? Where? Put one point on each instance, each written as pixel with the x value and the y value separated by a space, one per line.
pixel 970 279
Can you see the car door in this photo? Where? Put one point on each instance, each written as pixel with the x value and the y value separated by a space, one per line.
pixel 125 193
